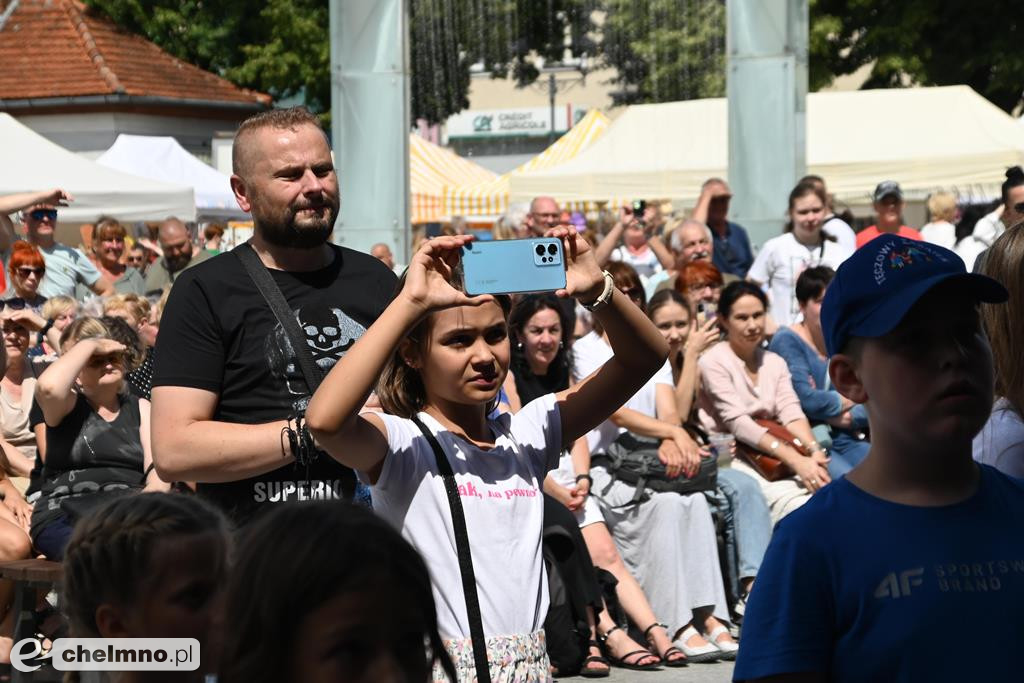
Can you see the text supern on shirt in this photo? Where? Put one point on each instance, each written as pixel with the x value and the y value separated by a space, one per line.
pixel 501 495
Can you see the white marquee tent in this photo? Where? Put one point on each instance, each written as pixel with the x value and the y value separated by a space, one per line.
pixel 29 162
pixel 924 138
pixel 163 159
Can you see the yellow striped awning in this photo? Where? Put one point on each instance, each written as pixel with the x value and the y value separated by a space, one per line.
pixel 491 197
pixel 431 168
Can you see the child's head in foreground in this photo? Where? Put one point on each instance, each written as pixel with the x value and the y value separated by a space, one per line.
pixel 324 591
pixel 151 565
pixel 903 331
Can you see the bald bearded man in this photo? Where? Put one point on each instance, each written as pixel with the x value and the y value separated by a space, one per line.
pixel 179 254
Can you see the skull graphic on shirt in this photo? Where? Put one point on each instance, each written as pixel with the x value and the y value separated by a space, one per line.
pixel 329 333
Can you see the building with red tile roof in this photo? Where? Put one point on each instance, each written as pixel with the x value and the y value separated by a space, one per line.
pixel 75 77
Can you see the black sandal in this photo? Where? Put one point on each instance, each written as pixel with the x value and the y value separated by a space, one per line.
pixel 621 661
pixel 595 659
pixel 669 652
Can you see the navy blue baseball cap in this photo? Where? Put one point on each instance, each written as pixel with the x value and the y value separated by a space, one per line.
pixel 880 283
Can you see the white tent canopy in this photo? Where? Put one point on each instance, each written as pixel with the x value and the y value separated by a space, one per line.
pixel 924 138
pixel 29 162
pixel 163 159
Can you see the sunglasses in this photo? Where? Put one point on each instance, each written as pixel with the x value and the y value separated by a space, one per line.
pixel 14 303
pixel 695 288
pixel 634 293
pixel 40 214
pixel 103 361
pixel 25 271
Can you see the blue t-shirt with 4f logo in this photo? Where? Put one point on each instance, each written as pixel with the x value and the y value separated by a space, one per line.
pixel 861 589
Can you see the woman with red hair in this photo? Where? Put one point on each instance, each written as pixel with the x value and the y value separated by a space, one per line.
pixel 700 283
pixel 26 271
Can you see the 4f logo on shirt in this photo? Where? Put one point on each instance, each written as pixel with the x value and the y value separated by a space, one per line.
pixel 899 586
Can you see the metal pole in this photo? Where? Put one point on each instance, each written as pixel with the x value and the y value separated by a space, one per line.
pixel 552 90
pixel 370 122
pixel 767 89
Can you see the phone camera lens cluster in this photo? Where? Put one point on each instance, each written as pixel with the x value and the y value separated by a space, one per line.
pixel 546 253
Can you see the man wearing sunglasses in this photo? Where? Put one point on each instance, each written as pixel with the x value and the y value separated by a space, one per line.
pixel 65 267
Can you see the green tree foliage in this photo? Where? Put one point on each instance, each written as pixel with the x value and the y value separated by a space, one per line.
pixel 923 42
pixel 662 50
pixel 665 50
pixel 275 46
pixel 282 46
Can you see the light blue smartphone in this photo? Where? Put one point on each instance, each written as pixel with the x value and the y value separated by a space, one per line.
pixel 513 266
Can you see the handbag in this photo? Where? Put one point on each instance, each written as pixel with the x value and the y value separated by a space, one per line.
pixel 476 623
pixel 766 464
pixel 634 460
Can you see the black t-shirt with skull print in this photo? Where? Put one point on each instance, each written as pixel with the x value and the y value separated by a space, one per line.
pixel 218 333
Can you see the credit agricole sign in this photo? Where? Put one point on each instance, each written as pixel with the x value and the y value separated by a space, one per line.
pixel 530 122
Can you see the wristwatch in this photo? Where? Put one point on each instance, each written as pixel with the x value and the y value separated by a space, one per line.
pixel 606 294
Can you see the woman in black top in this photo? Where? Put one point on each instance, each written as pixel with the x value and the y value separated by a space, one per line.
pixel 97 434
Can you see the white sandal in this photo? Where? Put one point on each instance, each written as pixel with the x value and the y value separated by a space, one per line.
pixel 728 648
pixel 703 653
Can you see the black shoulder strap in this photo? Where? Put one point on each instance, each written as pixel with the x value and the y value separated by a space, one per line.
pixel 476 624
pixel 282 311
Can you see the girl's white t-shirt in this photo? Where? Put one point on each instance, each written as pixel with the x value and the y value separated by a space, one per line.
pixel 781 261
pixel 591 352
pixel 501 496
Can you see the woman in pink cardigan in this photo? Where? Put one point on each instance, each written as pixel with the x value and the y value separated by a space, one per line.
pixel 741 381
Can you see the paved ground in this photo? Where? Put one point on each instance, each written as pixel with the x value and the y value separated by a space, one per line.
pixel 720 672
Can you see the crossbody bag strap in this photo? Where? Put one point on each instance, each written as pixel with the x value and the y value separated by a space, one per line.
pixel 476 623
pixel 264 282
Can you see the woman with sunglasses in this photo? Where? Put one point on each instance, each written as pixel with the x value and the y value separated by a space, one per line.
pixel 107 254
pixel 18 384
pixel 26 271
pixel 97 432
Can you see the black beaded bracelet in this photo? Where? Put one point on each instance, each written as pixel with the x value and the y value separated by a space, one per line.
pixel 589 479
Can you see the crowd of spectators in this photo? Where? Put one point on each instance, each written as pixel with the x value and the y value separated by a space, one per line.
pixel 143 368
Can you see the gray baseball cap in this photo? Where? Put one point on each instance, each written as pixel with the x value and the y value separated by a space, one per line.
pixel 888 188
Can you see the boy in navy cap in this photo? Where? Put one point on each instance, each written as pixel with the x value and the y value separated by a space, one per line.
pixel 911 567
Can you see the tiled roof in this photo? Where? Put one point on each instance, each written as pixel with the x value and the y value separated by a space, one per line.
pixel 57 48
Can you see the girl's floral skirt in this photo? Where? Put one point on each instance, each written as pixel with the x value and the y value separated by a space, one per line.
pixel 520 658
